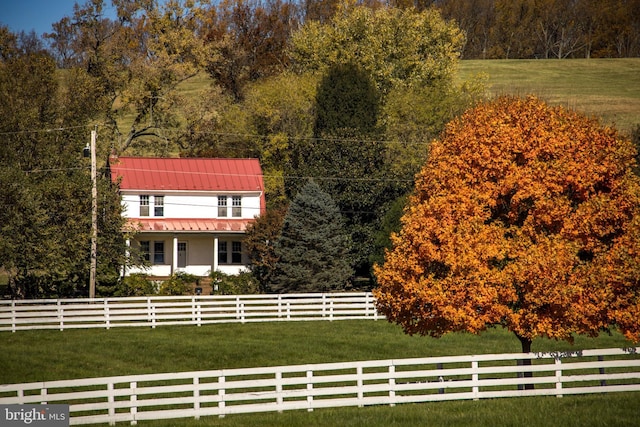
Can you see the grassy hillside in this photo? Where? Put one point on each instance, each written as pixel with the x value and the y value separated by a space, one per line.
pixel 606 88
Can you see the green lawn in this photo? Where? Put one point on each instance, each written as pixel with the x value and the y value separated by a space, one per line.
pixel 614 410
pixel 49 355
pixel 607 88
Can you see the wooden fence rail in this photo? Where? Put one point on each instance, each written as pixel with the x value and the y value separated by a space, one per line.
pixel 198 310
pixel 308 387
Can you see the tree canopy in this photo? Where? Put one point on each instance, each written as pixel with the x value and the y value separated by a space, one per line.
pixel 45 192
pixel 524 216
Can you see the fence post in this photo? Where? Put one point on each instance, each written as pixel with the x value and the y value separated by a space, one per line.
pixel 151 313
pixel 309 391
pixel 13 316
pixel 279 399
pixel 61 315
pixel 558 362
pixel 133 401
pixel 360 385
pixel 474 379
pixel 331 310
pixel 196 397
pixel 221 393
pixel 324 305
pixel 43 396
pixel 111 402
pixel 279 306
pixel 106 314
pixel 392 385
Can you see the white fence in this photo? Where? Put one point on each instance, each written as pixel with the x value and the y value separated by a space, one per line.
pixel 308 387
pixel 198 310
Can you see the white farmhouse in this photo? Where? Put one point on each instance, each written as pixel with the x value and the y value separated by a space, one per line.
pixel 189 214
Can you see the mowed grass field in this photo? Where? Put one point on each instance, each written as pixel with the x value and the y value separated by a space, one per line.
pixel 605 88
pixel 29 356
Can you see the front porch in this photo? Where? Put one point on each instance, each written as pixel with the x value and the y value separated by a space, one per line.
pixel 195 254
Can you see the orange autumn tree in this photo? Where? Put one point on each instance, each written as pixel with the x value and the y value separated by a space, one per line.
pixel 525 216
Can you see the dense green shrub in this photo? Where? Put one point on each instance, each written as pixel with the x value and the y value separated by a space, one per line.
pixel 241 284
pixel 135 285
pixel 178 284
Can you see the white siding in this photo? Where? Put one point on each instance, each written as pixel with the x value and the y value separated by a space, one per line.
pixel 185 205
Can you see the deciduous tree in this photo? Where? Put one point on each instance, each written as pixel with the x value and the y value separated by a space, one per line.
pixel 524 216
pixel 45 192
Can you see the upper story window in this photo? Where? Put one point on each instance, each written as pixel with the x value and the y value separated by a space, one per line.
pixel 236 206
pixel 158 205
pixel 222 206
pixel 144 205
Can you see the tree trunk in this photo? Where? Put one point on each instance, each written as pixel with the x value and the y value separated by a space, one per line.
pixel 526 348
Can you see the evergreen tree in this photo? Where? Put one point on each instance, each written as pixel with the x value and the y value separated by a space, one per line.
pixel 313 249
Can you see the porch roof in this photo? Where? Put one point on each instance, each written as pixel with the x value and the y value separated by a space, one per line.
pixel 187 224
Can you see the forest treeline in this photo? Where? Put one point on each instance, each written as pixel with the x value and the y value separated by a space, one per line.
pixel 508 29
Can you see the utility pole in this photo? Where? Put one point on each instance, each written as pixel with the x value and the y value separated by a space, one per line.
pixel 94 217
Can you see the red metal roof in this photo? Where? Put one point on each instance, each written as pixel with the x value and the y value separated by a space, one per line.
pixel 187 174
pixel 187 224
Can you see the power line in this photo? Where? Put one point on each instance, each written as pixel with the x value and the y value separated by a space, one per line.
pixel 47 130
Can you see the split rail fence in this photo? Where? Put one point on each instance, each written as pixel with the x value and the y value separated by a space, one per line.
pixel 16 315
pixel 307 387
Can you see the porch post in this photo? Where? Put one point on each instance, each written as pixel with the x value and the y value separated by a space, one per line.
pixel 127 256
pixel 214 267
pixel 174 261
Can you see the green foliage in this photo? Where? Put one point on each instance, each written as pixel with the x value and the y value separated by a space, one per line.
pixel 395 47
pixel 347 100
pixel 389 224
pixel 234 284
pixel 178 284
pixel 45 204
pixel 135 285
pixel 260 242
pixel 313 249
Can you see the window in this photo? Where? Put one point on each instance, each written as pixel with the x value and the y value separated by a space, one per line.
pixel 145 251
pixel 158 205
pixel 222 206
pixel 144 205
pixel 222 253
pixel 236 252
pixel 158 252
pixel 236 206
